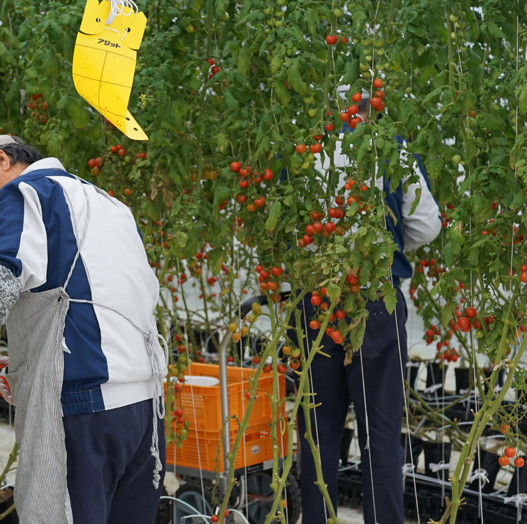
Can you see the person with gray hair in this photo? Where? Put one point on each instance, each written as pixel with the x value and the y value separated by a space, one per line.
pixel 85 365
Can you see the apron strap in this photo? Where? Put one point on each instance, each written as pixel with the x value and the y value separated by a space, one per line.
pixel 80 240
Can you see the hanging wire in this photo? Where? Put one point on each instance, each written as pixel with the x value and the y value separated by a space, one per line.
pixel 237 267
pixel 409 433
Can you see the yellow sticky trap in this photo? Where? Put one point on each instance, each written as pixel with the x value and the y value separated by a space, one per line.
pixel 104 63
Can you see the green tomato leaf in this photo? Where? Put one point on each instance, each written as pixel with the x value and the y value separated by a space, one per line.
pixel 274 215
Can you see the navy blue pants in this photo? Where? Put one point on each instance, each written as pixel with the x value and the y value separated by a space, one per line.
pixel 110 468
pixel 336 386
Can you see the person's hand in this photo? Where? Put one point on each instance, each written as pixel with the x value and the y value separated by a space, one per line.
pixel 5 391
pixel 4 361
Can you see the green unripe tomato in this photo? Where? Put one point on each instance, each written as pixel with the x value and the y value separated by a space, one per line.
pixel 280 14
pixel 456 159
pixel 380 52
pixel 378 43
pixel 462 49
pixel 366 74
pixel 183 359
pixel 364 67
pixel 453 36
pixel 380 67
pixel 280 2
pixel 305 165
pixel 408 90
pixel 127 159
pixel 308 100
pixel 268 11
pixel 267 30
pixel 355 41
pixel 225 16
pixel 480 334
pixel 457 25
pixel 367 52
pixel 279 23
pixel 366 41
pixel 453 18
pixel 368 58
pixel 295 352
pixel 312 113
pixel 337 12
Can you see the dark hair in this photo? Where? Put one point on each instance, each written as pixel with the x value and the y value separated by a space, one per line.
pixel 363 104
pixel 20 152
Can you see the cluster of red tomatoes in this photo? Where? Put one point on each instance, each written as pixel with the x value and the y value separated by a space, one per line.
pixel 215 518
pixel 434 271
pixel 38 109
pixel 337 213
pixel 465 323
pixel 314 148
pixel 292 359
pixel 333 39
pixel 246 177
pixel 445 220
pixel 214 69
pixel 317 301
pixel 266 276
pixel 508 453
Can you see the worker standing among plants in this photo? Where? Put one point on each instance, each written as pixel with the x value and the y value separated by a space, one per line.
pixel 376 368
pixel 85 365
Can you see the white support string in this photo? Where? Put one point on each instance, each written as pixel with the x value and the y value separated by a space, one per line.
pixel 409 433
pixel 310 373
pixel 118 8
pixel 368 437
pixel 193 407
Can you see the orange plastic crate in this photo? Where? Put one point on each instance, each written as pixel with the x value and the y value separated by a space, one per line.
pixel 202 404
pixel 258 446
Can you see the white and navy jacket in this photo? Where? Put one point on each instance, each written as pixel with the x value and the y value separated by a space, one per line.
pixel 106 364
pixel 410 231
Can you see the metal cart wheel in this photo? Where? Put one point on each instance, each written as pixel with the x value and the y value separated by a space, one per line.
pixel 261 497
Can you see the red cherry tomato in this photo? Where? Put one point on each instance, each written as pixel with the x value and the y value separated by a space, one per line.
pixel 316 300
pixel 357 97
pixel 301 149
pixel 471 312
pixel 504 461
pixel 235 167
pixel 509 452
pixel 377 83
pixel 314 324
pixel 281 369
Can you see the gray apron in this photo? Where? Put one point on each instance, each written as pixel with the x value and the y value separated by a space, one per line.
pixel 35 328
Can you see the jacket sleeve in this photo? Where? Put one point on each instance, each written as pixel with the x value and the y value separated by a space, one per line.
pixel 23 243
pixel 424 224
pixel 10 288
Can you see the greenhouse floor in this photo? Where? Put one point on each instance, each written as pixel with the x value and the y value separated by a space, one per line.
pixel 7 440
